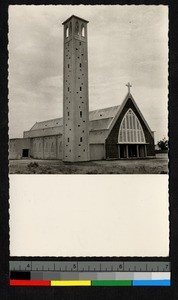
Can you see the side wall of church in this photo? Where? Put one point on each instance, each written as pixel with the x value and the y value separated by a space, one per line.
pixel 49 147
pixel 97 151
pixel 16 147
pixel 112 140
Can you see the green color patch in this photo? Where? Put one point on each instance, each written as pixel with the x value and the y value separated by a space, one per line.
pixel 111 283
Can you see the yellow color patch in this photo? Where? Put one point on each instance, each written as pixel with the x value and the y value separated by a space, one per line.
pixel 70 282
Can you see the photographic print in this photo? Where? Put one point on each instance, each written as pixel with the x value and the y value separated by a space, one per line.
pixel 88 122
pixel 88 89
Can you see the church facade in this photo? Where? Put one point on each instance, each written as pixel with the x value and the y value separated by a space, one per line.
pixel 118 132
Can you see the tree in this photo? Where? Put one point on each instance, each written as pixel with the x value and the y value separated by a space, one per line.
pixel 163 144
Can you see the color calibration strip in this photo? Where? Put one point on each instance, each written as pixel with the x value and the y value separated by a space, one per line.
pixel 52 273
pixel 90 283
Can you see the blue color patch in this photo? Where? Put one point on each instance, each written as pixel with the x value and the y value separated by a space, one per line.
pixel 151 282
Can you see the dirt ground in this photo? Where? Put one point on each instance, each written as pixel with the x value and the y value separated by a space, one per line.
pixel 157 165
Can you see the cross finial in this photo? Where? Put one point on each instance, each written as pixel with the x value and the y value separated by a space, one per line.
pixel 129 86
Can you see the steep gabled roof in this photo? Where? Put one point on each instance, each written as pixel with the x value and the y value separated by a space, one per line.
pixel 129 96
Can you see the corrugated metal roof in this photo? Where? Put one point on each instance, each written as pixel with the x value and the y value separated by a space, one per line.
pixel 103 113
pixel 48 124
pixel 100 124
pixel 99 119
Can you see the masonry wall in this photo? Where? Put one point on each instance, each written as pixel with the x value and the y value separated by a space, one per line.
pixel 75 85
pixel 16 147
pixel 97 151
pixel 49 147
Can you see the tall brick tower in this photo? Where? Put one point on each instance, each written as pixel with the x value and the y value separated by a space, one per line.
pixel 75 91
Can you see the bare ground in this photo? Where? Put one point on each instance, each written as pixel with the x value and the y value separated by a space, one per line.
pixel 157 165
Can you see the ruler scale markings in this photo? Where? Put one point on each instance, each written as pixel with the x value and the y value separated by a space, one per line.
pixel 159 272
pixel 103 266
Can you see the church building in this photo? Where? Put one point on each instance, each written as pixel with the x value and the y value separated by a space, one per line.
pixel 117 132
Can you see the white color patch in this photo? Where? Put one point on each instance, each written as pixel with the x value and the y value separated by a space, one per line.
pixel 89 215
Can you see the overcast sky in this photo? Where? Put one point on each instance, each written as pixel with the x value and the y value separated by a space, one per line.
pixel 126 43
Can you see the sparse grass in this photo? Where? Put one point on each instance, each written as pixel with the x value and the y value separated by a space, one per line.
pixel 157 165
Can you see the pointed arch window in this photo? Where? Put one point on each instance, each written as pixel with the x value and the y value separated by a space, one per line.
pixel 131 130
pixel 67 32
pixel 52 147
pixel 77 28
pixel 83 30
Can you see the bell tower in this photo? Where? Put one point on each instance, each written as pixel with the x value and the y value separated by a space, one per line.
pixel 75 91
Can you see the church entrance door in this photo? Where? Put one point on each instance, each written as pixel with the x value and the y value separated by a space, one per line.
pixel 123 151
pixel 142 151
pixel 132 150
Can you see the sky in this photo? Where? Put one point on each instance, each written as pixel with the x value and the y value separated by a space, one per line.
pixel 125 44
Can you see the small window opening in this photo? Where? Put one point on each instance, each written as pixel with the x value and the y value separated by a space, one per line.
pixel 77 28
pixel 70 28
pixel 80 88
pixel 80 114
pixel 81 139
pixel 68 140
pixel 80 65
